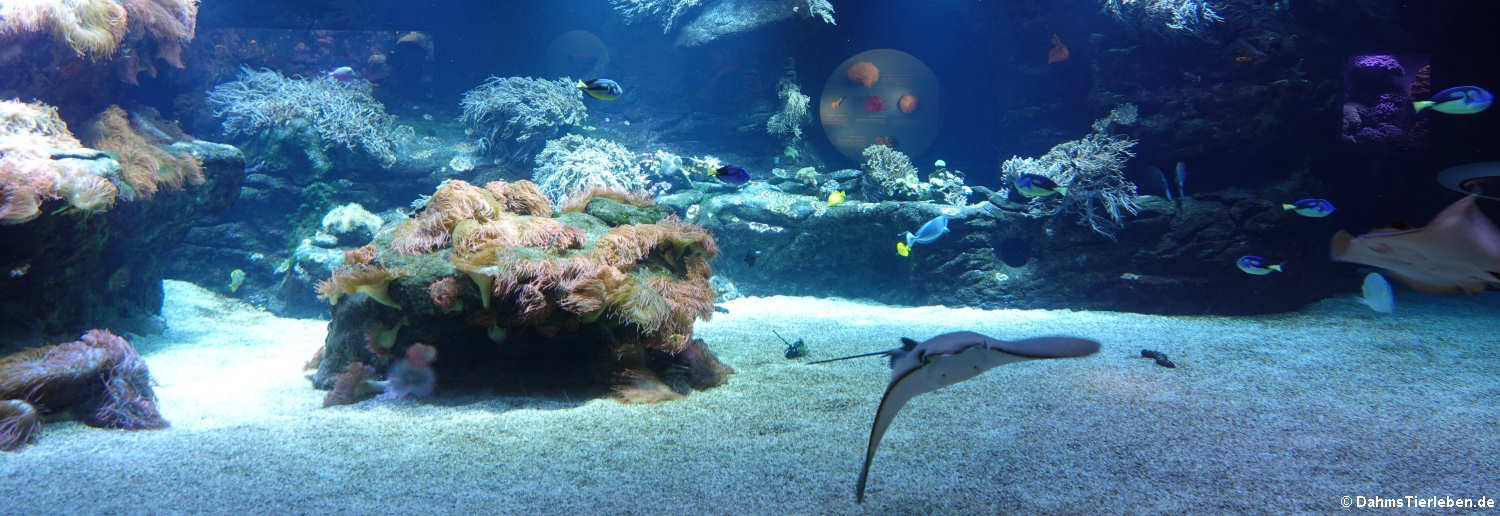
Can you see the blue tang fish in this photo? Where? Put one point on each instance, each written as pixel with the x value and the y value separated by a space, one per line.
pixel 1256 265
pixel 1035 185
pixel 602 89
pixel 929 232
pixel 1316 208
pixel 1461 100
pixel 731 174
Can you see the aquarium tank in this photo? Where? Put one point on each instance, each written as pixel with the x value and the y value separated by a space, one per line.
pixel 749 256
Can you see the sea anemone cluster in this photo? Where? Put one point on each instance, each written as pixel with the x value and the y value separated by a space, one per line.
pixel 588 291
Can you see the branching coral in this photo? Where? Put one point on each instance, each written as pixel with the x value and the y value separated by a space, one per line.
pixel 516 114
pixel 787 123
pixel 1123 115
pixel 1192 16
pixel 1092 169
pixel 669 11
pixel 342 113
pixel 575 163
pixel 889 174
pixel 99 378
pixel 30 136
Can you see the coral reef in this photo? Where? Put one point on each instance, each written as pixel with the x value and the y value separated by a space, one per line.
pixel 514 115
pixel 342 113
pixel 85 266
pixel 1092 169
pixel 575 163
pixel 575 294
pixel 41 161
pixel 99 378
pixel 1169 259
pixel 1377 105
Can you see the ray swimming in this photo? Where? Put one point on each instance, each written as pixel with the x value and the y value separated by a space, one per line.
pixel 922 367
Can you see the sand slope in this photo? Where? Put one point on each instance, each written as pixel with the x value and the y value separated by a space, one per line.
pixel 1277 414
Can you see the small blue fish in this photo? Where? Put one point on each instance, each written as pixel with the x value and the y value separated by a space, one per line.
pixel 1461 100
pixel 1316 208
pixel 343 74
pixel 1256 265
pixel 602 89
pixel 1036 185
pixel 731 174
pixel 929 232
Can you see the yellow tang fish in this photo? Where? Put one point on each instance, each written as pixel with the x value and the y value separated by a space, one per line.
pixel 836 198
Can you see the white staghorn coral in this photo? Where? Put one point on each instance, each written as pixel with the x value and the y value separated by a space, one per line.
pixel 1092 169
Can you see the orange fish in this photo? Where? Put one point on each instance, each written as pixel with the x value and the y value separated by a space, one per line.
pixel 836 102
pixel 1242 59
pixel 1059 51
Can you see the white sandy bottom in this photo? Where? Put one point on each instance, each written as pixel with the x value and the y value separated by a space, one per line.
pixel 1278 414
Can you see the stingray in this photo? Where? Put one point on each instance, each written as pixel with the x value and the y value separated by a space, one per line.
pixel 1458 250
pixel 921 367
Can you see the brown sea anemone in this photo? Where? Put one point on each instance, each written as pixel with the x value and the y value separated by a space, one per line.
pixel 580 200
pixel 362 278
pixel 521 197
